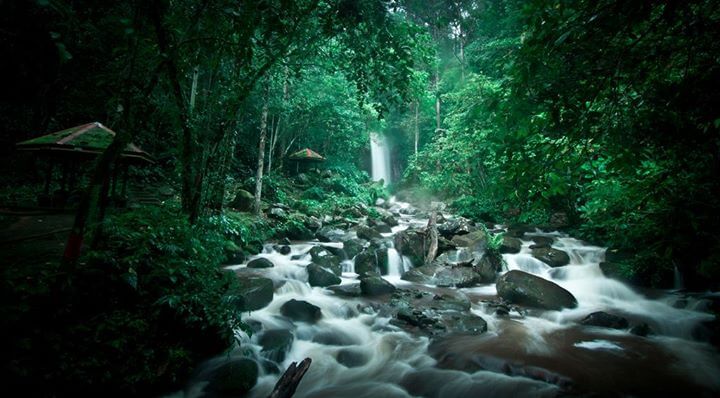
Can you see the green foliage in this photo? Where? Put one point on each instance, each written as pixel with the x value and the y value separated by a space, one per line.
pixel 137 314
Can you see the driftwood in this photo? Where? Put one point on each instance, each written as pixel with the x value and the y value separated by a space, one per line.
pixel 286 386
pixel 431 233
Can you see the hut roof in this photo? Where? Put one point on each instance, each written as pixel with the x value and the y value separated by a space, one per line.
pixel 306 155
pixel 87 139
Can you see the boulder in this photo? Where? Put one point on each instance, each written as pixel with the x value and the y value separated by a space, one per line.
pixel 260 262
pixel 375 286
pixel 424 274
pixel 367 233
pixel 604 320
pixel 351 290
pixel 382 228
pixel 276 343
pixel 366 262
pixel 233 254
pixel 243 201
pixel 301 311
pixel 456 276
pixel 328 234
pixel 234 378
pixel 278 213
pixel 541 241
pixel 525 289
pixel 464 323
pixel 353 246
pixel 284 249
pixel 510 245
pixel 321 276
pixel 412 245
pixel 455 226
pixel 551 257
pixel 475 241
pixel 488 268
pixel 322 257
pixel 253 293
pixel 641 329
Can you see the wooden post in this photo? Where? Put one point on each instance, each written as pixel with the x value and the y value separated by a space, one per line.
pixel 286 386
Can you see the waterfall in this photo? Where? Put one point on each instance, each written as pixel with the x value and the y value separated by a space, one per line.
pixel 395 263
pixel 380 158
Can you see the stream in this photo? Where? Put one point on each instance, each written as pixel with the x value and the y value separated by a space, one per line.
pixel 359 349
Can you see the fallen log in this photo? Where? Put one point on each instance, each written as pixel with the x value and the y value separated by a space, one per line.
pixel 286 386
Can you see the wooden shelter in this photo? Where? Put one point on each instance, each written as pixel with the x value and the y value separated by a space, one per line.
pixel 305 158
pixel 71 148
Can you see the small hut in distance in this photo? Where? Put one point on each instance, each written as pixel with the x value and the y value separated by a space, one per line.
pixel 305 159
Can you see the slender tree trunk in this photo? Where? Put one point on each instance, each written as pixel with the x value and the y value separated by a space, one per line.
pixel 261 149
pixel 417 126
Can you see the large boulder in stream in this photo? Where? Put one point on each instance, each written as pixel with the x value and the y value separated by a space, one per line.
pixel 301 311
pixel 371 261
pixel 234 378
pixel 260 262
pixel 604 320
pixel 321 276
pixel 525 289
pixel 551 257
pixel 411 244
pixel 276 343
pixel 322 257
pixel 253 293
pixel 367 233
pixel 329 234
pixel 510 245
pixel 455 226
pixel 475 241
pixel 375 286
pixel 353 246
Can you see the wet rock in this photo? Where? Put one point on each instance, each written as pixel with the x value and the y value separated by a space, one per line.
pixel 253 293
pixel 301 311
pixel 445 245
pixel 551 257
pixel 446 302
pixel 375 286
pixel 455 226
pixel 423 274
pixel 382 228
pixel 510 245
pixel 285 241
pixel 328 234
pixel 243 201
pixel 236 377
pixel 284 250
pixel 276 343
pixel 519 230
pixel 641 329
pixel 541 241
pixel 367 233
pixel 351 290
pixel 260 262
pixel 604 320
pixel 464 323
pixel 352 357
pixel 353 246
pixel 335 337
pixel 322 257
pixel 475 241
pixel 321 276
pixel 370 261
pixel 488 268
pixel 456 276
pixel 412 245
pixel 617 271
pixel 525 289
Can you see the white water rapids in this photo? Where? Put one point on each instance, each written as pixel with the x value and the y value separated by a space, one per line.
pixel 357 352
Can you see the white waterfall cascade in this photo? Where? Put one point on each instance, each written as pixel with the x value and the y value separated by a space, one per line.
pixel 380 154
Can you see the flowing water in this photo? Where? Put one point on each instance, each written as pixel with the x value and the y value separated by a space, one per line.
pixel 357 352
pixel 380 154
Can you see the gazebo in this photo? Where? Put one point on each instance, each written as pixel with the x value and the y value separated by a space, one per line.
pixel 304 158
pixel 71 147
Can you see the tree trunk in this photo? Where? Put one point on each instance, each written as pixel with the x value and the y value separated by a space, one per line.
pixel 417 126
pixel 261 149
pixel 432 235
pixel 286 386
